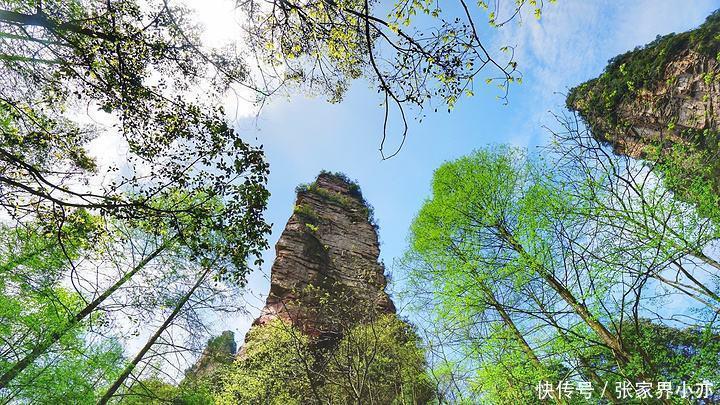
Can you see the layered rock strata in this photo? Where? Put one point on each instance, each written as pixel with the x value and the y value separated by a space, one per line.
pixel 326 276
pixel 661 103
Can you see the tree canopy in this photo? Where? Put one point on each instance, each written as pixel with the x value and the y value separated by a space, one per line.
pixel 542 271
pixel 378 362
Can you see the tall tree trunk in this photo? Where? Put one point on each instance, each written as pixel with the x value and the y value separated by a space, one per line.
pixel 513 328
pixel 609 339
pixel 507 320
pixel 580 309
pixel 697 282
pixel 139 356
pixel 45 344
pixel 586 367
pixel 706 259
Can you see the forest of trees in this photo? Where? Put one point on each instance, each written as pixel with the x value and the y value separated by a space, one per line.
pixel 524 268
pixel 543 270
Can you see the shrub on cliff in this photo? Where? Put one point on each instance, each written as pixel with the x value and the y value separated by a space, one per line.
pixel 378 362
pixel 273 369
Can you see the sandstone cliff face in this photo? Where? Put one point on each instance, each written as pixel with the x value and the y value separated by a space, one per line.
pixel 326 275
pixel 683 103
pixel 661 103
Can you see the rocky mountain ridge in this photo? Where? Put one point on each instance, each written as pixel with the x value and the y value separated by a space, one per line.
pixel 661 103
pixel 328 249
pixel 326 277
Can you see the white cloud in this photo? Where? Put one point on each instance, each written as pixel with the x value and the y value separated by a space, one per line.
pixel 221 23
pixel 574 37
pixel 220 20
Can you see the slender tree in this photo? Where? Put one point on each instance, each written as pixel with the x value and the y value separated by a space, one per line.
pixel 544 248
pixel 35 303
pixel 153 339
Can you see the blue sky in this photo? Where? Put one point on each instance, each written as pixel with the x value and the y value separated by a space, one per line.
pixel 570 44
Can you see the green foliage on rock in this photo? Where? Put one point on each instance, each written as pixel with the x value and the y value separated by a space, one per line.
pixel 633 106
pixel 307 213
pixel 692 171
pixel 641 68
pixel 367 211
pixel 272 369
pixel 377 362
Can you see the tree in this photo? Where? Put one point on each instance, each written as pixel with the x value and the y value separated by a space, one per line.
pixel 271 368
pixel 63 56
pixel 187 173
pixel 322 45
pixel 486 207
pixel 179 258
pixel 638 216
pixel 382 361
pixel 687 354
pixel 181 303
pixel 34 303
pixel 200 384
pixel 542 266
pixel 379 361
